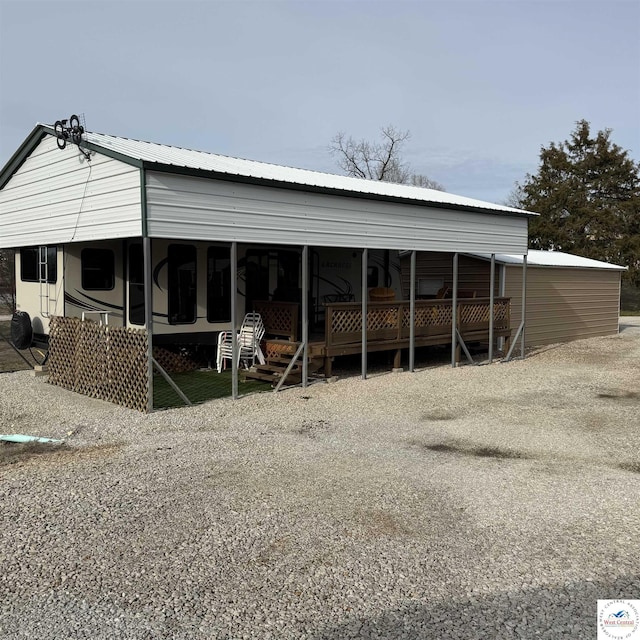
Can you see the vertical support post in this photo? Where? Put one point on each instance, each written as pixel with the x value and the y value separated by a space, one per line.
pixel 234 318
pixel 492 284
pixel 454 311
pixel 365 265
pixel 148 316
pixel 524 303
pixel 305 315
pixel 412 313
pixel 502 288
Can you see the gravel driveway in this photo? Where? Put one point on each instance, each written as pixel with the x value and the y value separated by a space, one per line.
pixel 480 502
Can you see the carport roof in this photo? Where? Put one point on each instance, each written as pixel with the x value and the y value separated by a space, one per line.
pixel 537 258
pixel 164 157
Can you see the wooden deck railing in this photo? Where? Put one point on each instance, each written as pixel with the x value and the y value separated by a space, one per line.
pixel 280 318
pixel 388 325
pixel 390 321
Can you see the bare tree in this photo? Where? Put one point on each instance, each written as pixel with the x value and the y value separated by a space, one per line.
pixel 419 180
pixel 378 160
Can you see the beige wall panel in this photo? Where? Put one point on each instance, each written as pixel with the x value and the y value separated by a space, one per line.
pixel 473 273
pixel 564 304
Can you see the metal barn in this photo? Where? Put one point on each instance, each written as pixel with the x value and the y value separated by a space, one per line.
pixel 157 237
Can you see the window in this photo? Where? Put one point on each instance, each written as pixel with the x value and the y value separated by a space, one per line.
pixel 98 269
pixel 182 284
pixel 218 284
pixel 136 284
pixel 39 264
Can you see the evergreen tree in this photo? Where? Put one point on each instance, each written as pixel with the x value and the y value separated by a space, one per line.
pixel 587 192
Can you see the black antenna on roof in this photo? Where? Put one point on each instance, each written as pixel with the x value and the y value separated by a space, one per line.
pixel 72 131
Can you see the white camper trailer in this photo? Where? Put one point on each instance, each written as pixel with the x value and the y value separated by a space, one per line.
pixel 103 280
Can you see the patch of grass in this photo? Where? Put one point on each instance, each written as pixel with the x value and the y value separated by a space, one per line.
pixel 200 386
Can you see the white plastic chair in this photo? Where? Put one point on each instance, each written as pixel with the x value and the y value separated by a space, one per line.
pixel 249 337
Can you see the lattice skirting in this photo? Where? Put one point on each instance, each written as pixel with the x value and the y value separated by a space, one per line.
pixel 277 348
pixel 109 363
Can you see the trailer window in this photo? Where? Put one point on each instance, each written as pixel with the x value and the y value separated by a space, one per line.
pixel 98 269
pixel 218 284
pixel 182 284
pixel 39 264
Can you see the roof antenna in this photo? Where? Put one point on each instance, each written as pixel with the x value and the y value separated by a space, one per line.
pixel 72 131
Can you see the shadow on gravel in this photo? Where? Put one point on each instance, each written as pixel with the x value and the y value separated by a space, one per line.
pixel 619 394
pixel 634 467
pixel 13 453
pixel 310 428
pixel 567 611
pixel 440 414
pixel 477 452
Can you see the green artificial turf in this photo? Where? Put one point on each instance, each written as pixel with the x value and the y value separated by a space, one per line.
pixel 200 386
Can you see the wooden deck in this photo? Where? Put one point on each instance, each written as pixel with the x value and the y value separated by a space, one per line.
pixel 388 326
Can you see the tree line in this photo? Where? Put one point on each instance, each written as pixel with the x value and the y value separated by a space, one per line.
pixel 586 191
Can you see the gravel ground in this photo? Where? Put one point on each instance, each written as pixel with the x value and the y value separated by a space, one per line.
pixel 480 502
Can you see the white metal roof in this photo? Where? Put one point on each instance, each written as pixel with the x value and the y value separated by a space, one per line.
pixel 536 258
pixel 200 160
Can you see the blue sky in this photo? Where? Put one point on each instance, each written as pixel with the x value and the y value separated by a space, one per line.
pixel 481 85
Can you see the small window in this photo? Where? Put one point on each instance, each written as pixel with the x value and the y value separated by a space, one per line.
pixel 218 284
pixel 98 269
pixel 182 284
pixel 39 264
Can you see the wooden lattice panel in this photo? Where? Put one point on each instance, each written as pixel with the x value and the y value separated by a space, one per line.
pixel 474 313
pixel 280 348
pixel 346 320
pixel 109 363
pixel 279 318
pixel 427 316
pixel 172 361
pixel 501 313
pixel 382 318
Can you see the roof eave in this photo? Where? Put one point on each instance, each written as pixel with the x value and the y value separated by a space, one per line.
pixel 230 177
pixel 22 153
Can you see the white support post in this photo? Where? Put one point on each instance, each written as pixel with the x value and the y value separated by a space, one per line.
pixel 524 304
pixel 148 316
pixel 412 313
pixel 365 265
pixel 492 284
pixel 234 312
pixel 454 311
pixel 305 315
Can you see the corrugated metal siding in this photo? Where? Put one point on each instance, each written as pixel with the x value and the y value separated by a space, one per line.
pixel 473 273
pixel 564 304
pixel 55 196
pixel 208 209
pixel 238 167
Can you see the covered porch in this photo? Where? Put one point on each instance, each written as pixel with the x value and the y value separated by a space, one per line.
pixel 394 326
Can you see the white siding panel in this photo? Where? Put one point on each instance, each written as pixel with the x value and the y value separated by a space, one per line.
pixel 206 209
pixel 56 197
